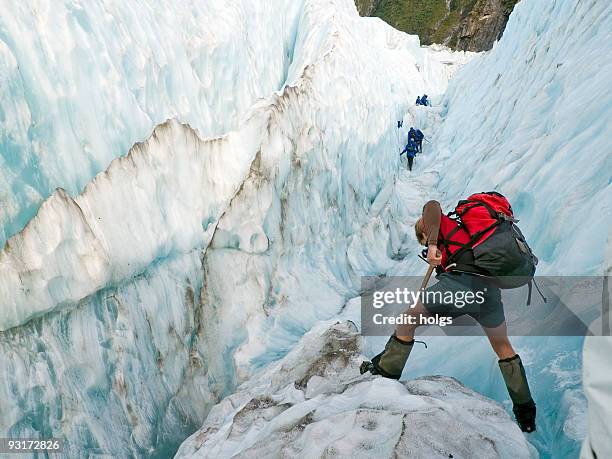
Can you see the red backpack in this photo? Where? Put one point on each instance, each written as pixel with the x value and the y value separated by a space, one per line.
pixel 484 224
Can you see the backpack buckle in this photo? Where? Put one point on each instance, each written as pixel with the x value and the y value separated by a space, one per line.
pixel 507 218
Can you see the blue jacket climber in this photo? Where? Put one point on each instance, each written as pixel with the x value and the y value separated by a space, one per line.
pixel 411 150
pixel 418 137
pixel 411 134
pixel 418 101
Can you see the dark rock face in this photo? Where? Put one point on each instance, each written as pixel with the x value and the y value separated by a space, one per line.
pixel 367 7
pixel 483 26
pixel 467 25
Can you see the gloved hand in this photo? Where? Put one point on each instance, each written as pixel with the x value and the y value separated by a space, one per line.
pixel 390 362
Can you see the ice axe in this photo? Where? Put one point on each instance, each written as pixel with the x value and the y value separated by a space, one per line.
pixel 366 365
pixel 427 277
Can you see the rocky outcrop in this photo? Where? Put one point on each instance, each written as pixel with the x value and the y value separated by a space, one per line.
pixel 314 403
pixel 482 26
pixel 466 25
pixel 367 7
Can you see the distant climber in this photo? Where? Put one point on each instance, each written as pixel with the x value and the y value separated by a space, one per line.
pixel 411 134
pixel 410 149
pixel 418 137
pixel 450 249
pixel 424 100
pixel 418 101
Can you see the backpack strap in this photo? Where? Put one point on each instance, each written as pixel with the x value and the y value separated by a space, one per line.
pixel 445 239
pixel 498 218
pixel 492 212
pixel 539 291
pixel 451 233
pixel 530 284
pixel 473 239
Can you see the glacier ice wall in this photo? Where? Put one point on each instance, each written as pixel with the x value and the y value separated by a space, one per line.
pixel 180 197
pixel 161 199
pixel 547 142
pixel 193 278
pixel 82 83
pixel 118 375
pixel 131 308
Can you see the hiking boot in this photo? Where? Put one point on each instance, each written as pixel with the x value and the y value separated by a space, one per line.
pixel 516 382
pixel 390 362
pixel 525 415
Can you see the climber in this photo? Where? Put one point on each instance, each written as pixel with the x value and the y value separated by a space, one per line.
pixel 418 137
pixel 449 250
pixel 418 101
pixel 411 134
pixel 411 150
pixel 424 100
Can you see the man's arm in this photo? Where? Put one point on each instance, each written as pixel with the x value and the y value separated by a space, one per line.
pixel 432 213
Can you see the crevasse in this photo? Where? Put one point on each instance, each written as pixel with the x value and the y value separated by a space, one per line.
pixel 133 307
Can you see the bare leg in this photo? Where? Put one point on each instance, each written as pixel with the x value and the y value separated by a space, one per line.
pixel 406 332
pixel 498 337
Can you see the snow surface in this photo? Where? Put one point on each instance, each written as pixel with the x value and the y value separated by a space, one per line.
pixel 132 308
pixel 313 403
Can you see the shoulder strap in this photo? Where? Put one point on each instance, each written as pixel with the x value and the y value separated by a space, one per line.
pixel 473 239
pixel 495 215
